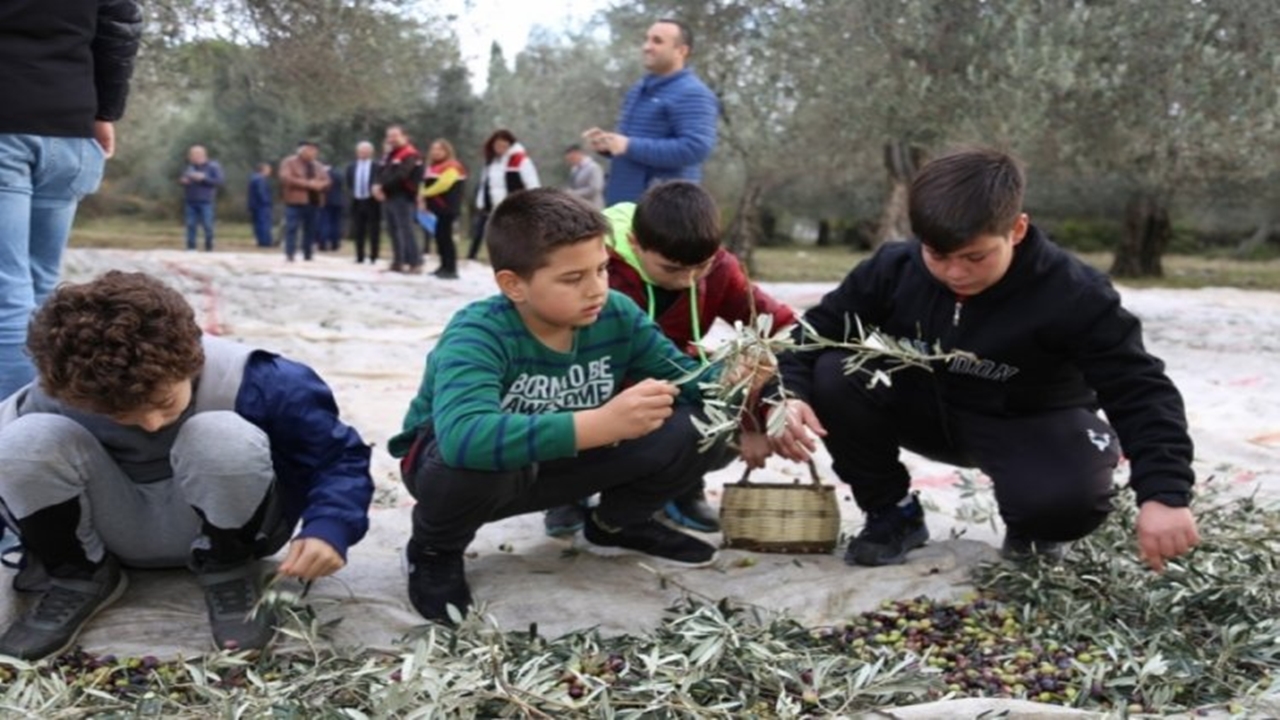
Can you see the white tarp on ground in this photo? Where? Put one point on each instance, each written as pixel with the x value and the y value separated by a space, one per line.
pixel 367 333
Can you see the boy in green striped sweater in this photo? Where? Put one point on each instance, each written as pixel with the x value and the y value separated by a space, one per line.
pixel 553 390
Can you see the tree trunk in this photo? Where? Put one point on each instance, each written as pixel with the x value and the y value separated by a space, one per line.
pixel 824 233
pixel 901 160
pixel 744 229
pixel 1147 232
pixel 1251 244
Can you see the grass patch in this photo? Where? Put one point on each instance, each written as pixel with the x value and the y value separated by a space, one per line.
pixel 775 264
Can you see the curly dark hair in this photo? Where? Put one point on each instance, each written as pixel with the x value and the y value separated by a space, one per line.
pixel 109 345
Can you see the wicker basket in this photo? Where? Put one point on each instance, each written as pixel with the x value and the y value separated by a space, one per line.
pixel 780 517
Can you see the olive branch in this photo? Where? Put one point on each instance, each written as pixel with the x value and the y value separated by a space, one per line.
pixel 749 358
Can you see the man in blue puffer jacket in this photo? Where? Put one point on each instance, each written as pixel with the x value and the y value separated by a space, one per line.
pixel 667 127
pixel 146 444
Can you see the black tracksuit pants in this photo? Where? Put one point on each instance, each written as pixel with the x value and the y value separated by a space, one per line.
pixel 635 479
pixel 1052 471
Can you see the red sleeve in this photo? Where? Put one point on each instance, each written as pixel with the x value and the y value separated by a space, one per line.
pixel 735 303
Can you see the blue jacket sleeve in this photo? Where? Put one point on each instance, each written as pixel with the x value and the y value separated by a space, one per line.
pixel 321 464
pixel 693 123
pixel 213 178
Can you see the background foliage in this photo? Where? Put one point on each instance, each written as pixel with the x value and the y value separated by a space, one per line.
pixel 1144 125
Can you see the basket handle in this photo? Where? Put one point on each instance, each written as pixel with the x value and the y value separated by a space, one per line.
pixel 813 475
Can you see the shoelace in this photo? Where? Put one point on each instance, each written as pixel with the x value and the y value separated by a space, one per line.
pixel 233 597
pixel 59 604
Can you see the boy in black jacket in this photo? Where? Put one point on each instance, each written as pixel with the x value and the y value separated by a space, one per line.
pixel 1050 344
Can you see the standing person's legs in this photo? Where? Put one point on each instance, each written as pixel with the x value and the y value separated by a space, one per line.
pixel 393 234
pixel 478 222
pixel 310 214
pixel 292 225
pixel 262 226
pixel 41 182
pixel 375 230
pixel 1053 471
pixel 359 226
pixel 448 251
pixel 411 251
pixel 190 219
pixel 206 221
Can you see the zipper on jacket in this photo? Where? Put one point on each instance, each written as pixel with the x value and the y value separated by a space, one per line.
pixel 955 316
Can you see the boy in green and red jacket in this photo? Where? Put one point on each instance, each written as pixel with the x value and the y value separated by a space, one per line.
pixel 665 254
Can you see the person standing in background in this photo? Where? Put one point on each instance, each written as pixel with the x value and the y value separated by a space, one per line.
pixel 507 170
pixel 667 126
pixel 398 185
pixel 442 192
pixel 200 179
pixel 586 177
pixel 366 211
pixel 304 181
pixel 57 127
pixel 260 204
pixel 331 213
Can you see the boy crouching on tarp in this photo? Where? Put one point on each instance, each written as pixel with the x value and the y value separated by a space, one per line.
pixel 145 444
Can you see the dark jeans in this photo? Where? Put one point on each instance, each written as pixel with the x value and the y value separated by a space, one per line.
pixel 478 221
pixel 1052 480
pixel 262 226
pixel 329 235
pixel 634 479
pixel 400 210
pixel 444 243
pixel 299 218
pixel 366 225
pixel 199 215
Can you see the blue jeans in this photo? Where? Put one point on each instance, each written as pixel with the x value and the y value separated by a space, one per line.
pixel 199 215
pixel 299 218
pixel 262 226
pixel 41 181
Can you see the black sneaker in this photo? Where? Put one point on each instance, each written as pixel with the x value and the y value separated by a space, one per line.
pixel 564 520
pixel 888 535
pixel 446 274
pixel 650 538
pixel 436 581
pixel 1018 548
pixel 694 512
pixel 51 625
pixel 237 621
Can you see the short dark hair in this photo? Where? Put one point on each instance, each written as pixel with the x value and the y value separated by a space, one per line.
pixel 678 220
pixel 529 224
pixel 503 134
pixel 109 345
pixel 964 194
pixel 686 33
pixel 573 148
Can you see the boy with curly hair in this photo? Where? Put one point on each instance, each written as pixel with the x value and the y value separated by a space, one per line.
pixel 145 444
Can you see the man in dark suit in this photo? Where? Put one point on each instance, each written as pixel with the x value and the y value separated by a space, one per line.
pixel 366 211
pixel 260 204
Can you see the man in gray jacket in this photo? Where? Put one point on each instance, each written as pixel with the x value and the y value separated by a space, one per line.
pixel 586 177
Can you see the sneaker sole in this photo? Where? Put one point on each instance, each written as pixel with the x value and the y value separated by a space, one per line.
pixel 613 551
pixel 107 602
pixel 913 541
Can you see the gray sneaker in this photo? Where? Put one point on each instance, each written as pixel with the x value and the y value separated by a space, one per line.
pixel 52 625
pixel 232 596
